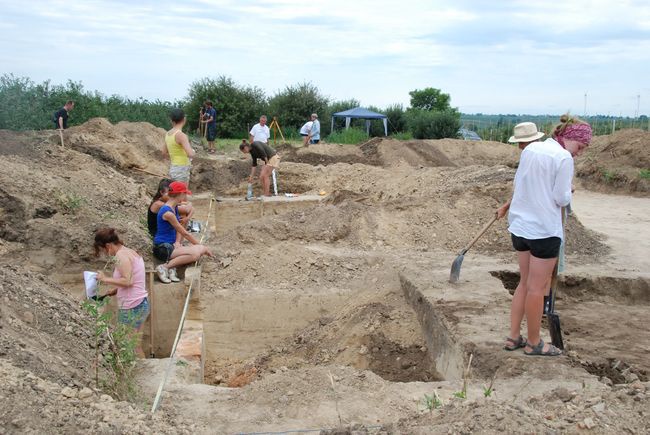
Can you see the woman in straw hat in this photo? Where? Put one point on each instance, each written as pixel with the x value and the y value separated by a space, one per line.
pixel 542 187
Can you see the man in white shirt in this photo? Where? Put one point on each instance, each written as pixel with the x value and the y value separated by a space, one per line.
pixel 260 132
pixel 314 133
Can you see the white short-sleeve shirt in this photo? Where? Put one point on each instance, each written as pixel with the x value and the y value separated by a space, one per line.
pixel 260 134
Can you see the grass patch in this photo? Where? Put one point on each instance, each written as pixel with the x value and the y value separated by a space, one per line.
pixel 645 174
pixel 70 201
pixel 406 135
pixel 351 136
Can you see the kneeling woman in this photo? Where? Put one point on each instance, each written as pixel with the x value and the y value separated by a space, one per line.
pixel 128 278
pixel 167 245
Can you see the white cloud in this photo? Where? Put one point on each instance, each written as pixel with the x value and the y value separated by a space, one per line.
pixel 487 55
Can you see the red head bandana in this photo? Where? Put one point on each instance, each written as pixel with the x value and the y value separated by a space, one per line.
pixel 579 132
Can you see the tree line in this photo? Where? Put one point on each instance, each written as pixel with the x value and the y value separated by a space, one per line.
pixel 26 105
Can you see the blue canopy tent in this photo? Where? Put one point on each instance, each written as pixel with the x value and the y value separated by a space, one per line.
pixel 361 113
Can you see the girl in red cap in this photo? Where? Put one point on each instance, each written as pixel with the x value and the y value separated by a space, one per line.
pixel 170 233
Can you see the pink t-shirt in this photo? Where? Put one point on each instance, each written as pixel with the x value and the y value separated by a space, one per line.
pixel 131 297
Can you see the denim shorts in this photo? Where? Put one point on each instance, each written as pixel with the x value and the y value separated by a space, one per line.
pixel 163 251
pixel 135 316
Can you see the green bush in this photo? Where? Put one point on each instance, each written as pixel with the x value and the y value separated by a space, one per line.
pixel 238 107
pixel 425 124
pixel 397 122
pixel 407 135
pixel 351 136
pixel 25 105
pixel 294 105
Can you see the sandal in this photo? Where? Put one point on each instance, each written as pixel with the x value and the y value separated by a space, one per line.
pixel 516 343
pixel 539 350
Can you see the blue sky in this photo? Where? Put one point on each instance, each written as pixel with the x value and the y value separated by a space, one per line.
pixel 492 57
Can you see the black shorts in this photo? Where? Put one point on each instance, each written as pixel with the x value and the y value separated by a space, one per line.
pixel 211 133
pixel 163 251
pixel 540 248
pixel 314 141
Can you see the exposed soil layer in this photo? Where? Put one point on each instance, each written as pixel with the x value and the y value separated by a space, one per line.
pixel 617 163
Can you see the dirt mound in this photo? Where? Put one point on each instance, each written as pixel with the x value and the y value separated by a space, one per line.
pixel 424 208
pixel 43 330
pixel 221 177
pixel 447 152
pixel 618 163
pixel 123 145
pixel 46 364
pixel 52 200
pixel 558 411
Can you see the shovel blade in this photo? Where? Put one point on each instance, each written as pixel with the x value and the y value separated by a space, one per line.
pixel 555 330
pixel 454 276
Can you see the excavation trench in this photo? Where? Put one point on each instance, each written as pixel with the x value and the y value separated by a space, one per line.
pixel 626 291
pixel 236 335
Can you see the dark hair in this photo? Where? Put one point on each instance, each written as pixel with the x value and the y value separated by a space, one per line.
pixel 243 145
pixel 176 115
pixel 163 185
pixel 208 102
pixel 103 237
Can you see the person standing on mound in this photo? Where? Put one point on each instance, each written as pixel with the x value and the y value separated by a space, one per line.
pixel 210 120
pixel 542 186
pixel 177 148
pixel 167 246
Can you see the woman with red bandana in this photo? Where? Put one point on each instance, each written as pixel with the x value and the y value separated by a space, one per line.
pixel 542 187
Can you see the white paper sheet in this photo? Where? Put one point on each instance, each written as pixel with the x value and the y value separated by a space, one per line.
pixel 90 278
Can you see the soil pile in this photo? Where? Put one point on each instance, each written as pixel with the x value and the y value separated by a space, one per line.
pixel 424 208
pixel 123 145
pixel 618 162
pixel 46 364
pixel 52 200
pixel 621 409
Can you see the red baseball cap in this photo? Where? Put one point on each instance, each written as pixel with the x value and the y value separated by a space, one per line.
pixel 179 187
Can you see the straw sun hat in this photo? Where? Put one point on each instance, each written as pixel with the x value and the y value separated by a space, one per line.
pixel 525 132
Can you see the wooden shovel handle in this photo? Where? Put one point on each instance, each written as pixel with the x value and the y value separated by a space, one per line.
pixel 478 236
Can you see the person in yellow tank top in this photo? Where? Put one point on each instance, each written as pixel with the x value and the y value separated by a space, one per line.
pixel 177 148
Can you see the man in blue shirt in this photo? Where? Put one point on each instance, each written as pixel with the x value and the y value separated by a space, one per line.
pixel 314 133
pixel 210 119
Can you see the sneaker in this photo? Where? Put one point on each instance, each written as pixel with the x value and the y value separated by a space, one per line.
pixel 172 275
pixel 162 274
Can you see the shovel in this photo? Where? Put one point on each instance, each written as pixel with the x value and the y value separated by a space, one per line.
pixel 455 266
pixel 553 318
pixel 554 327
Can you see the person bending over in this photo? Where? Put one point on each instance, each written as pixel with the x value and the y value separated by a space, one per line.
pixel 185 211
pixel 128 278
pixel 170 233
pixel 271 159
pixel 542 187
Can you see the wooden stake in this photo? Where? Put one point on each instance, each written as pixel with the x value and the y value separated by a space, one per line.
pixel 151 315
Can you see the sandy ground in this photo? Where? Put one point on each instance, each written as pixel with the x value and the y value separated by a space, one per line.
pixel 337 315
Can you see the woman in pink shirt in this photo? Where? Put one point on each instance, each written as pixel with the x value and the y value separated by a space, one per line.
pixel 128 279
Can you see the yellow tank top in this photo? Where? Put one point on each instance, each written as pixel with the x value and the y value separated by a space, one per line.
pixel 177 154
